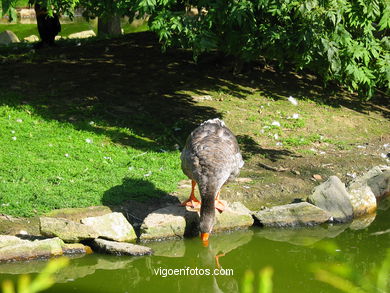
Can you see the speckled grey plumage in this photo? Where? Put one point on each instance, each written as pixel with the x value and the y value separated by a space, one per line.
pixel 211 157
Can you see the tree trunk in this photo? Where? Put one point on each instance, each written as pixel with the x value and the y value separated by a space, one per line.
pixel 109 25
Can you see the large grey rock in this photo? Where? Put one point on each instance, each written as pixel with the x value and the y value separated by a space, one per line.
pixel 362 198
pixel 120 248
pixel 7 37
pixel 67 230
pixel 25 249
pixel 333 197
pixel 176 221
pixel 112 226
pixel 380 184
pixel 292 215
pixel 82 35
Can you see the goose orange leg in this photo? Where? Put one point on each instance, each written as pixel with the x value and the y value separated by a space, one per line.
pixel 220 205
pixel 192 201
pixel 217 260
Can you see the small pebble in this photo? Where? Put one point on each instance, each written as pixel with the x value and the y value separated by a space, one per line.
pixel 317 177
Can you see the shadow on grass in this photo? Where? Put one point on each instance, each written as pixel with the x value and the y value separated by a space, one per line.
pixel 136 198
pixel 249 147
pixel 128 83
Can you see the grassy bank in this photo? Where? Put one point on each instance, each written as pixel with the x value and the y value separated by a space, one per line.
pixel 46 164
pixel 101 122
pixel 25 30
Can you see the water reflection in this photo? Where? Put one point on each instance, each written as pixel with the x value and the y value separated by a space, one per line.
pixel 310 235
pixel 290 252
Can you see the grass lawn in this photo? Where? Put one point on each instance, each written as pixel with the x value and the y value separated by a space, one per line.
pixel 100 123
pixel 46 164
pixel 25 30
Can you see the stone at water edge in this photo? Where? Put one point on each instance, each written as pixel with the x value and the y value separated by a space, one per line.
pixel 292 215
pixel 113 226
pixel 120 248
pixel 26 250
pixel 332 197
pixel 76 248
pixel 365 190
pixel 362 198
pixel 67 230
pixel 176 221
pixel 167 222
pixel 235 216
pixel 380 184
pixel 76 214
pixel 9 240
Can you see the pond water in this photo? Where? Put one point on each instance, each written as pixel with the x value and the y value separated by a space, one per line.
pixel 290 252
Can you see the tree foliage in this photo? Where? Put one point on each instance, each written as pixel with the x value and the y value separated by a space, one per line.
pixel 342 40
pixel 58 6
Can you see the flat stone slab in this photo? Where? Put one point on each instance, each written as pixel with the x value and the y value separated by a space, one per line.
pixel 176 221
pixel 8 240
pixel 120 248
pixel 333 197
pixel 67 230
pixel 15 226
pixel 25 249
pixel 75 248
pixel 76 214
pixel 236 216
pixel 113 226
pixel 292 215
pixel 166 222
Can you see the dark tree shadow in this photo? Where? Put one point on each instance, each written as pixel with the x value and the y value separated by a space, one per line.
pixel 136 198
pixel 249 147
pixel 128 82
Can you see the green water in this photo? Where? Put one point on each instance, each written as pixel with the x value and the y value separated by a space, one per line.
pixel 291 254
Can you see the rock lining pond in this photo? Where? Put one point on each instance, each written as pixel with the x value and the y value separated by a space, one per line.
pixel 330 202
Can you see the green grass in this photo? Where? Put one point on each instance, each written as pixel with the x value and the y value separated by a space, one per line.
pixel 20 30
pixel 25 30
pixel 49 164
pixel 142 105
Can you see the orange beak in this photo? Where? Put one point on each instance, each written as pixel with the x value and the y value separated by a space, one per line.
pixel 205 239
pixel 204 236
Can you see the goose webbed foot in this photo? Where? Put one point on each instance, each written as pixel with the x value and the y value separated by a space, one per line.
pixel 220 205
pixel 192 201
